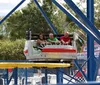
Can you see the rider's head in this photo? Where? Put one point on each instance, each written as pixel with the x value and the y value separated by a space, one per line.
pixel 51 36
pixel 66 34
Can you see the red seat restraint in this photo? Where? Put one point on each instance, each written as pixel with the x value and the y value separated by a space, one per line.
pixel 59 50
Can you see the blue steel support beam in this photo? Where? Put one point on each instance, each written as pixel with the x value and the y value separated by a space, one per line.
pixel 65 74
pixel 87 21
pixel 15 76
pixel 1 21
pixel 26 74
pixel 46 18
pixel 91 65
pixel 69 80
pixel 79 23
pixel 80 69
pixel 69 75
pixel 59 75
pixel 46 76
pixel 7 77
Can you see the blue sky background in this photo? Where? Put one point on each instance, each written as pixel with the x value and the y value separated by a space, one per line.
pixel 7 5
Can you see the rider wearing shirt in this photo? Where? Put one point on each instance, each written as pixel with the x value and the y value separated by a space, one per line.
pixel 52 39
pixel 65 40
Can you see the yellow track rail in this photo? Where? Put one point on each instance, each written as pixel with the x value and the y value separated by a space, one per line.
pixel 5 65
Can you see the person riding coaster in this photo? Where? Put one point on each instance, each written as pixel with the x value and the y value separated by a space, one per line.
pixel 42 42
pixel 49 50
pixel 52 39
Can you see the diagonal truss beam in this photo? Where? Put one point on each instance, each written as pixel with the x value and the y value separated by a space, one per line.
pixel 79 23
pixel 46 18
pixel 83 17
pixel 1 21
pixel 77 65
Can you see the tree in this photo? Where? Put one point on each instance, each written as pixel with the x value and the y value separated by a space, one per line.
pixel 97 13
pixel 3 32
pixel 31 17
pixel 12 50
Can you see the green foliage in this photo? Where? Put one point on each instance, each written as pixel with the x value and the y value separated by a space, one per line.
pixel 22 20
pixel 3 33
pixel 69 25
pixel 11 50
pixel 31 17
pixel 97 13
pixel 58 19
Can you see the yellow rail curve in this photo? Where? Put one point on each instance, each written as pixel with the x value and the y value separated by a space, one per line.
pixel 5 65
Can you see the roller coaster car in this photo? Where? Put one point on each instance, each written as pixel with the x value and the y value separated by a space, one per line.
pixel 51 53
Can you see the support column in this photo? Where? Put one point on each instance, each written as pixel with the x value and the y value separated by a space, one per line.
pixel 46 18
pixel 26 76
pixel 59 75
pixel 91 64
pixel 15 76
pixel 7 82
pixel 46 76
